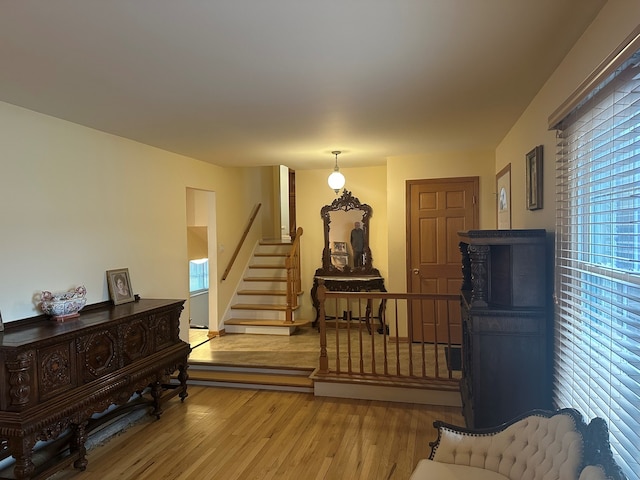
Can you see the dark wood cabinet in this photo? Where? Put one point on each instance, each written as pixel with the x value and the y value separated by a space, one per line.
pixel 55 377
pixel 506 364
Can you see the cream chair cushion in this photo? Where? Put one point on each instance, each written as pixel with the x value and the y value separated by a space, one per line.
pixel 430 470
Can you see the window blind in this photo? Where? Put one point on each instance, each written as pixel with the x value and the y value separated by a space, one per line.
pixel 597 286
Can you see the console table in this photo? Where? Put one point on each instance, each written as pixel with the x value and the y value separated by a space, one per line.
pixel 54 377
pixel 344 283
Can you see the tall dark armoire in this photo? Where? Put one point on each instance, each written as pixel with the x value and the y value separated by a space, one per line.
pixel 506 359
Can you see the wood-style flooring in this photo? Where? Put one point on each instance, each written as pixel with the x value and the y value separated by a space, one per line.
pixel 224 433
pixel 301 349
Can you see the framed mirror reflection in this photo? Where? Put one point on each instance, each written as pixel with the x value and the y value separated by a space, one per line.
pixel 346 238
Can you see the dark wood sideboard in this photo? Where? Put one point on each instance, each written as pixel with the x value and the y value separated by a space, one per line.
pixel 506 351
pixel 56 377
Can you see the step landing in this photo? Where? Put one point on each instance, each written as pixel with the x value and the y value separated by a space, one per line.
pixel 290 379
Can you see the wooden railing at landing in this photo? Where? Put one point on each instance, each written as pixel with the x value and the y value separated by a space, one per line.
pixel 252 217
pixel 294 282
pixel 356 345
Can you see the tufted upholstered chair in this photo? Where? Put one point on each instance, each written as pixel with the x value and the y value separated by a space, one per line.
pixel 540 445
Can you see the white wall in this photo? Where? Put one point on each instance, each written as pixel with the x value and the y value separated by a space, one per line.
pixel 75 202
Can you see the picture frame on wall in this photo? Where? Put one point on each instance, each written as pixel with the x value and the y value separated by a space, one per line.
pixel 534 179
pixel 503 198
pixel 119 283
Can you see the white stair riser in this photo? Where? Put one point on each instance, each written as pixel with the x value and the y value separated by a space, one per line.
pixel 267 272
pixel 263 285
pixel 258 314
pixel 268 261
pixel 273 249
pixel 263 299
pixel 259 330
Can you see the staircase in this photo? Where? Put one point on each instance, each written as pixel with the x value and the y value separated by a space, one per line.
pixel 260 304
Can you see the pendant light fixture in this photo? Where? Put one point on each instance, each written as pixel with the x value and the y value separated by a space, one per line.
pixel 336 179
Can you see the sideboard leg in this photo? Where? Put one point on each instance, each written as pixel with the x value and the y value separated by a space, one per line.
pixel 21 449
pixel 183 376
pixel 78 446
pixel 156 393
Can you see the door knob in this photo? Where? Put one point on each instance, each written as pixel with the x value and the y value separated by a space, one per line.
pixel 416 271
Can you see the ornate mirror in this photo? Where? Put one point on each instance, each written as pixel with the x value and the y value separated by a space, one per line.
pixel 346 238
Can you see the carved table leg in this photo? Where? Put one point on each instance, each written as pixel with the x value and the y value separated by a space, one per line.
pixel 384 328
pixel 78 446
pixel 367 315
pixel 183 376
pixel 21 449
pixel 156 393
pixel 315 302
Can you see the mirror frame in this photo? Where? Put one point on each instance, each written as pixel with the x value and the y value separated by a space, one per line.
pixel 345 203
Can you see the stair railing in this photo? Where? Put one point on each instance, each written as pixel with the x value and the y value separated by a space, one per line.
pixel 350 348
pixel 254 213
pixel 294 282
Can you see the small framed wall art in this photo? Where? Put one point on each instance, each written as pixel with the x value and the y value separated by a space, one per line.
pixel 503 198
pixel 120 290
pixel 534 178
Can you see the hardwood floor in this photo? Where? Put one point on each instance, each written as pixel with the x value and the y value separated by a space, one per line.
pixel 222 433
pixel 301 349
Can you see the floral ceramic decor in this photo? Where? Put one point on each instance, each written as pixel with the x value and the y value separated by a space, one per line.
pixel 63 306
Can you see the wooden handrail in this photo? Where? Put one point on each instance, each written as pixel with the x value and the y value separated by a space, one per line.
pixel 294 282
pixel 241 242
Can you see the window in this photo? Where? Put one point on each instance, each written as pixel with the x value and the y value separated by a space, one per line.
pixel 597 316
pixel 198 275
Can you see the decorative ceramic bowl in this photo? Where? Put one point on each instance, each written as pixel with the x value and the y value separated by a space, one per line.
pixel 62 306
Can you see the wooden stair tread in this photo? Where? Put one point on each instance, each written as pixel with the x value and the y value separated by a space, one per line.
pixel 265 322
pixel 259 265
pixel 265 279
pixel 251 377
pixel 275 254
pixel 263 292
pixel 258 306
pixel 274 242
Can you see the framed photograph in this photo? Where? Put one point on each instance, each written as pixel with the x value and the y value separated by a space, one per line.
pixel 503 198
pixel 120 290
pixel 534 178
pixel 340 247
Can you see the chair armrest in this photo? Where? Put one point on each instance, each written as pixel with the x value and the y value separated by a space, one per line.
pixel 598 458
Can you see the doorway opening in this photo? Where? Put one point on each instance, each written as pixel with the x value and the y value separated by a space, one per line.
pixel 202 305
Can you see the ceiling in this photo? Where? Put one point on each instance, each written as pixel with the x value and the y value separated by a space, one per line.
pixel 268 82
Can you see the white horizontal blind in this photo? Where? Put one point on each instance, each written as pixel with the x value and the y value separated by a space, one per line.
pixel 597 316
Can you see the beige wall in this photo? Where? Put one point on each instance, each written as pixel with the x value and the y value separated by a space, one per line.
pixel 616 20
pixel 312 193
pixel 75 202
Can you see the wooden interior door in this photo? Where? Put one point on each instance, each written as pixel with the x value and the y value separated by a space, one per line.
pixel 436 211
